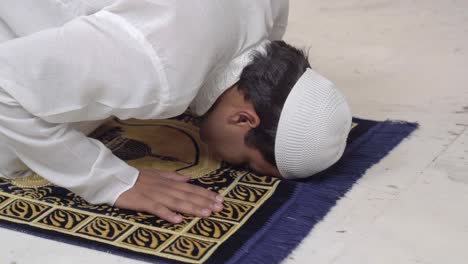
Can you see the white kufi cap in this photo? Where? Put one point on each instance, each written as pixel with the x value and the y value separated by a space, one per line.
pixel 313 127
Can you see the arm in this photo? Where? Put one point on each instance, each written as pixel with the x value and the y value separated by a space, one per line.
pixel 84 165
pixel 55 77
pixel 83 71
pixel 63 155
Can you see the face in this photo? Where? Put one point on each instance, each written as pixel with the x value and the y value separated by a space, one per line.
pixel 224 129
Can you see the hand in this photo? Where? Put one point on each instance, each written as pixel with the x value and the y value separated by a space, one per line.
pixel 164 193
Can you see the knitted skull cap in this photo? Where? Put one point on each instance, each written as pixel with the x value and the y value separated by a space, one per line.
pixel 313 127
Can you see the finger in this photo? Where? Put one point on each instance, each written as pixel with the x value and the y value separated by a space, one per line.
pixel 199 200
pixel 165 214
pixel 197 190
pixel 185 207
pixel 175 176
pixel 194 189
pixel 167 175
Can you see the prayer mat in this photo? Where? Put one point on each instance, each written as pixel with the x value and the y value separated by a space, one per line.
pixel 264 218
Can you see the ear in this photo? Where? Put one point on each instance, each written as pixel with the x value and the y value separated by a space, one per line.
pixel 245 118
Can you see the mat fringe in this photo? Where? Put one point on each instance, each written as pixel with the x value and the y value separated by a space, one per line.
pixel 312 200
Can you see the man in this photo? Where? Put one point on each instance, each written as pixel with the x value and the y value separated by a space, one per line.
pixel 80 61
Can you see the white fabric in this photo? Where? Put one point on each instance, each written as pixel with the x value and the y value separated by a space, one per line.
pixel 5 32
pixel 25 17
pixel 85 60
pixel 313 127
pixel 91 170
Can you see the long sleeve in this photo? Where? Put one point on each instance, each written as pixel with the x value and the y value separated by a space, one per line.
pixel 60 74
pixel 64 156
pixel 5 32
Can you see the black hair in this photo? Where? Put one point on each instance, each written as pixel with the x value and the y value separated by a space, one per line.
pixel 266 83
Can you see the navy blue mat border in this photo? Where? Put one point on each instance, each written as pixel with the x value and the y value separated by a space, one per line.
pixel 314 198
pixel 310 202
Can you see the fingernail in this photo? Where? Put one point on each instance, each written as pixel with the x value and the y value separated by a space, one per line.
pixel 178 218
pixel 219 198
pixel 205 212
pixel 218 206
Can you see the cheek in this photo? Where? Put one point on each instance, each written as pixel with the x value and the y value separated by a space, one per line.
pixel 224 149
pixel 234 153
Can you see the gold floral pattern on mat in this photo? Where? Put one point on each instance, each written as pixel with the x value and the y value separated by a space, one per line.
pixel 35 202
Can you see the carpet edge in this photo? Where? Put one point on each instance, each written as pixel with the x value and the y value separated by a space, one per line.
pixel 292 227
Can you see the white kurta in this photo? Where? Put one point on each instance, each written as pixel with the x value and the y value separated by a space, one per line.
pixel 84 60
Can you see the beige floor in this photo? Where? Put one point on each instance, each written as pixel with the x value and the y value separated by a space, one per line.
pixel 394 59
